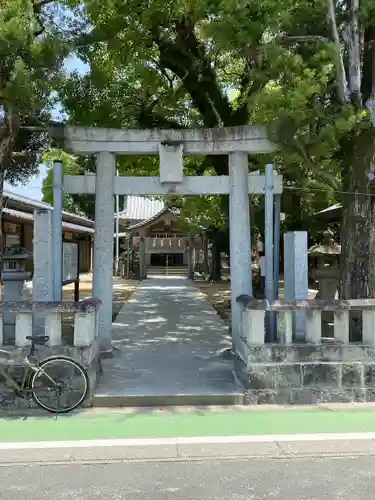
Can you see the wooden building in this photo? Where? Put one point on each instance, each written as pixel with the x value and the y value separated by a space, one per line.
pixel 17 226
pixel 166 240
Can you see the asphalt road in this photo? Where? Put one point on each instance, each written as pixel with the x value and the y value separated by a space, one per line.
pixel 324 478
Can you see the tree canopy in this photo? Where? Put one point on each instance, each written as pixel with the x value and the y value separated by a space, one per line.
pixel 184 64
pixel 32 52
pixel 304 69
pixel 31 58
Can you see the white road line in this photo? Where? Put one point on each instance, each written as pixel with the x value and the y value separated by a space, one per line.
pixel 107 443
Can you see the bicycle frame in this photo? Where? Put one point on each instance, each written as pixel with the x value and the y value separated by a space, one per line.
pixel 28 369
pixel 12 383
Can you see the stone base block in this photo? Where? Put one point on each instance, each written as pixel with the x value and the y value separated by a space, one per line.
pixel 307 396
pixel 88 357
pixel 307 374
pixel 326 352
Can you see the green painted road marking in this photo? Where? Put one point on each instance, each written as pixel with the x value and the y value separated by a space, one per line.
pixel 87 427
pixel 166 424
pixel 259 423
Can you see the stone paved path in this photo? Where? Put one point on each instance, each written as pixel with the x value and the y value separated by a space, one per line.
pixel 166 341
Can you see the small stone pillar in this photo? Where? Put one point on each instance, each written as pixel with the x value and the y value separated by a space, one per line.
pixel 14 277
pixel 142 258
pixel 128 256
pixel 43 278
pixel 296 276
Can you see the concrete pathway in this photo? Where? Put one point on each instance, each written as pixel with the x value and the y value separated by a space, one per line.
pixel 167 340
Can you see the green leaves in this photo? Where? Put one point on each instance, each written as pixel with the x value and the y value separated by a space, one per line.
pixel 31 58
pixel 72 165
pixel 219 63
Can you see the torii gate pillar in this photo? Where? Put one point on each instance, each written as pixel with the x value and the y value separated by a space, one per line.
pixel 103 245
pixel 239 238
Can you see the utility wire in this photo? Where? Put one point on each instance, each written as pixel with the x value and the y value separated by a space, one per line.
pixel 352 193
pixel 293 188
pixel 285 188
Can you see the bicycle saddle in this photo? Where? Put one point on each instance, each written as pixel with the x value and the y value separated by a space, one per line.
pixel 38 339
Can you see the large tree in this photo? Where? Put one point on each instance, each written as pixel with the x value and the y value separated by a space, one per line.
pixel 181 64
pixel 352 31
pixel 225 63
pixel 327 52
pixel 333 42
pixel 31 55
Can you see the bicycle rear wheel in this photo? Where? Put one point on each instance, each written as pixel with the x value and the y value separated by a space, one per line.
pixel 69 387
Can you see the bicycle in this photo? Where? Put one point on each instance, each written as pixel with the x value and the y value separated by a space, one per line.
pixel 36 378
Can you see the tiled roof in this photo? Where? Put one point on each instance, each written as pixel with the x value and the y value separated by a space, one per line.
pixel 16 214
pixel 139 208
pixel 29 204
pixel 152 219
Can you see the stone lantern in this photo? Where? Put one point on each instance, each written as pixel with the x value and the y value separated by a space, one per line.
pixel 326 260
pixel 14 277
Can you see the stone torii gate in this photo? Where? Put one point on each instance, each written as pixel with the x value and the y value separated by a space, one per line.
pixel 171 146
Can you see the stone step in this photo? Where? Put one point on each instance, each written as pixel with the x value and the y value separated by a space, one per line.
pixel 163 270
pixel 167 267
pixel 122 401
pixel 163 273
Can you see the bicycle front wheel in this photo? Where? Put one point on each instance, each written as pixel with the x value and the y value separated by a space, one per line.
pixel 61 380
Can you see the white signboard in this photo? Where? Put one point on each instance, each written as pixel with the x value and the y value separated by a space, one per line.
pixel 70 261
pixel 262 265
pixel 12 240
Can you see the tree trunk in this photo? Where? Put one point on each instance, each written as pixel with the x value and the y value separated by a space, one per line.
pixel 297 211
pixel 205 256
pixel 8 134
pixel 216 257
pixel 357 266
pixel 2 177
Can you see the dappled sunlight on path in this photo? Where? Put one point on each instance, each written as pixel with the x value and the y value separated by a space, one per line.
pixel 167 340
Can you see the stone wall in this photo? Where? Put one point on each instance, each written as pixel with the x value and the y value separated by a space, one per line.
pixel 80 340
pixel 307 374
pixel 306 369
pixel 88 357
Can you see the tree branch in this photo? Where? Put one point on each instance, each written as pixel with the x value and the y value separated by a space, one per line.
pixel 304 38
pixel 42 3
pixel 352 39
pixel 37 9
pixel 368 71
pixel 185 56
pixel 8 132
pixel 148 118
pixel 21 154
pixel 164 72
pixel 342 83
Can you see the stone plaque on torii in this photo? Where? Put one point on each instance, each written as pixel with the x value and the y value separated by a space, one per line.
pixel 171 146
